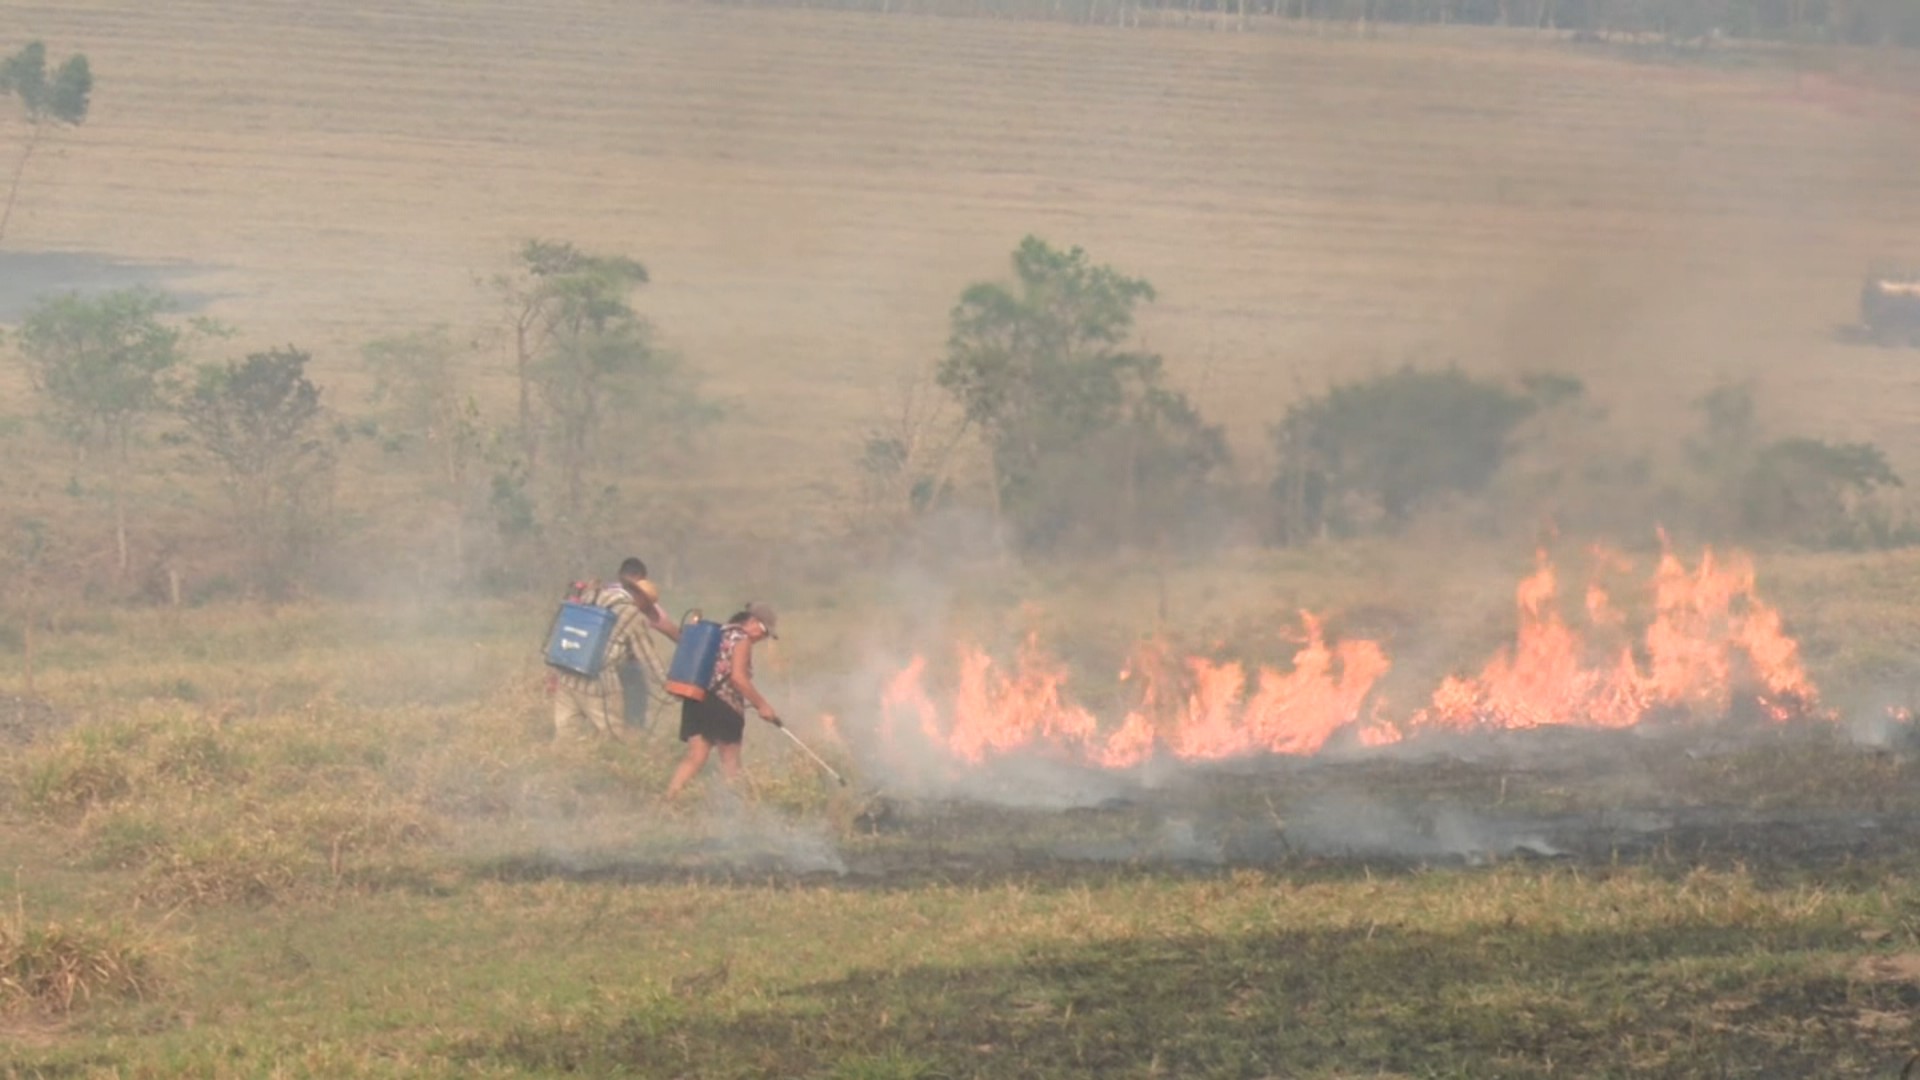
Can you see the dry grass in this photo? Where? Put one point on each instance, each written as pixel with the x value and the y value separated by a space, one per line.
pixel 55 968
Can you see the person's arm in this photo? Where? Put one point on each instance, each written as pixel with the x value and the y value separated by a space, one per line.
pixel 657 618
pixel 742 657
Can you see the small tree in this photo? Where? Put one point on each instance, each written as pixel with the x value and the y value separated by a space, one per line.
pixel 98 364
pixel 588 371
pixel 1076 423
pixel 260 420
pixel 47 102
pixel 554 293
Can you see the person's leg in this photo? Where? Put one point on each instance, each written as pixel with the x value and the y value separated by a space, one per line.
pixel 730 762
pixel 600 706
pixel 567 717
pixel 697 748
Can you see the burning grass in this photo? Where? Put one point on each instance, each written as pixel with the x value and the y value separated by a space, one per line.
pixel 1710 646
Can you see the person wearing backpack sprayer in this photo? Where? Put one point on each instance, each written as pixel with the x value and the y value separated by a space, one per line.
pixel 598 704
pixel 719 717
pixel 642 670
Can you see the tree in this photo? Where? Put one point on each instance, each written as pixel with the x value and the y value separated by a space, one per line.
pixel 260 420
pixel 98 364
pixel 554 294
pixel 1075 422
pixel 61 99
pixel 1375 450
pixel 588 370
pixel 428 411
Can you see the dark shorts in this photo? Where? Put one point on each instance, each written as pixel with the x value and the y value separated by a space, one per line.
pixel 713 720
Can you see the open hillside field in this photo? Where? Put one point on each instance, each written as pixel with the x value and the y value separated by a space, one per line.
pixel 812 190
pixel 1394 805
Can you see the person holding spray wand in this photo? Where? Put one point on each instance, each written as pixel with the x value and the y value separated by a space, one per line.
pixel 719 719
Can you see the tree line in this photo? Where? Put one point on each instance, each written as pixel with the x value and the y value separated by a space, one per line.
pixel 119 378
pixel 1090 447
pixel 1042 414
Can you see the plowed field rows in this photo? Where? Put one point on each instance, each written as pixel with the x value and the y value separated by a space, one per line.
pixel 813 189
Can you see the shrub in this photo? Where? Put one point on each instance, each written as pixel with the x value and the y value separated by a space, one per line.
pixel 1367 455
pixel 1811 492
pixel 199 759
pixel 1795 489
pixel 74 777
pixel 248 865
pixel 54 968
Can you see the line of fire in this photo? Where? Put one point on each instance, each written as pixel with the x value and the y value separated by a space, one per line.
pixel 1709 649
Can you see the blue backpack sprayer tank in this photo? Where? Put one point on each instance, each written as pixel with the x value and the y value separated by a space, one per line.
pixel 577 640
pixel 693 659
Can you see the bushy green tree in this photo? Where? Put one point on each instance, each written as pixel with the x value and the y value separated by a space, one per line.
pixel 98 364
pixel 47 99
pixel 1370 453
pixel 1087 442
pixel 261 421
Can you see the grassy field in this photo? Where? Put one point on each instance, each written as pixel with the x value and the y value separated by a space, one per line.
pixel 328 842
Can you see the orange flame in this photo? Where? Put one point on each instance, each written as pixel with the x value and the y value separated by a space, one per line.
pixel 1710 639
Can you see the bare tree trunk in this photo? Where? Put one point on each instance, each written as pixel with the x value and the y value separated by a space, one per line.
pixel 13 190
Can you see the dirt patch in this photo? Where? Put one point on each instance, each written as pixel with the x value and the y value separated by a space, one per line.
pixel 1897 968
